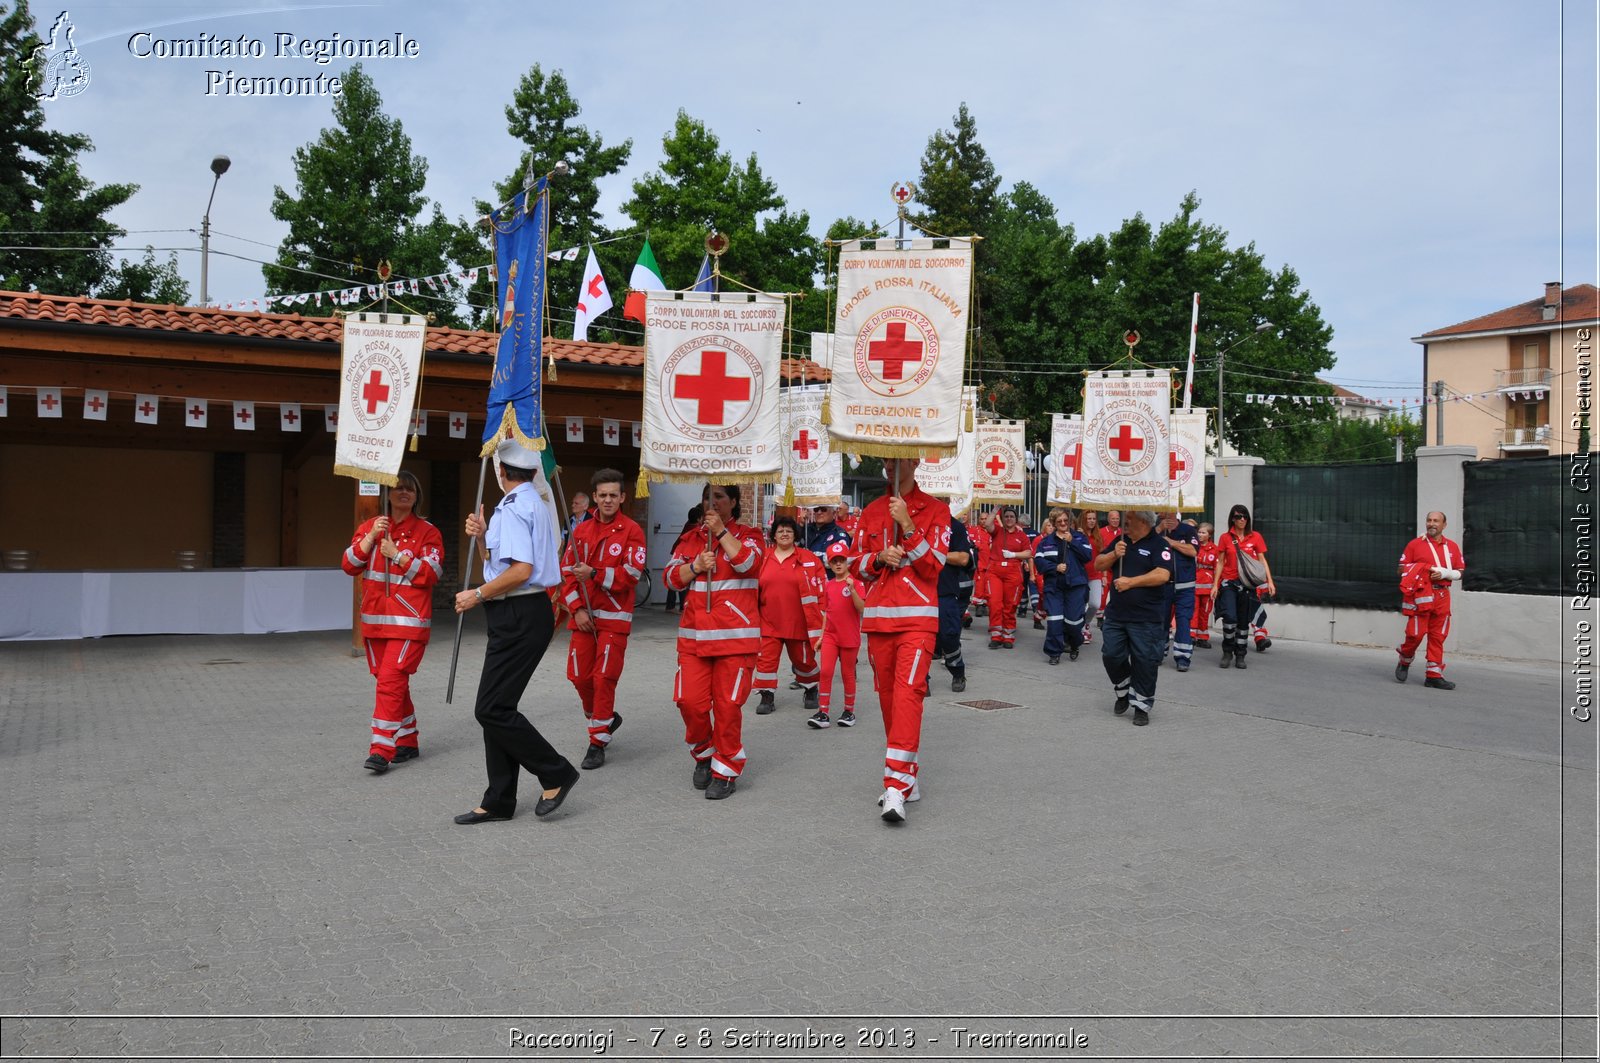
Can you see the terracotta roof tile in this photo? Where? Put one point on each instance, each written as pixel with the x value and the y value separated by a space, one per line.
pixel 121 313
pixel 1580 304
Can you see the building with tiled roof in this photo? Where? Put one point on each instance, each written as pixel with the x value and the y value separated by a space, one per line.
pixel 1514 381
pixel 90 485
pixel 1353 407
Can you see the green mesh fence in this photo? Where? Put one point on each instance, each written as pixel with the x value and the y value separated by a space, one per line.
pixel 1334 532
pixel 1515 533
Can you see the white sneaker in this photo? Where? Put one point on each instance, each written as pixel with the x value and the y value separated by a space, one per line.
pixel 894 806
pixel 914 795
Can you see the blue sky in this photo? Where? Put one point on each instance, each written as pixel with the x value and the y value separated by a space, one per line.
pixel 1417 163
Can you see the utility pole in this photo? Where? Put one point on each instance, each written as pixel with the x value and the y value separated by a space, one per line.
pixel 1438 398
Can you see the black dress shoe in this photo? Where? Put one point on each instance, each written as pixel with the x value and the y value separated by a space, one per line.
pixel 702 775
pixel 1121 706
pixel 1438 682
pixel 376 764
pixel 720 787
pixel 596 757
pixel 405 753
pixel 548 805
pixel 958 684
pixel 1400 672
pixel 1141 718
pixel 475 816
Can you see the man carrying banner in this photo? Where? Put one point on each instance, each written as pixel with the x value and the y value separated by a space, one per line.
pixel 604 557
pixel 902 541
pixel 1135 631
pixel 520 560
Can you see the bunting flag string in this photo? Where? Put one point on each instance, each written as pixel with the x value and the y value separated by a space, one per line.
pixel 436 283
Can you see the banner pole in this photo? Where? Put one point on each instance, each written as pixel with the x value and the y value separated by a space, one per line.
pixel 466 579
pixel 1194 334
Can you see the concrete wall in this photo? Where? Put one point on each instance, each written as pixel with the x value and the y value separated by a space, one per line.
pixel 1520 626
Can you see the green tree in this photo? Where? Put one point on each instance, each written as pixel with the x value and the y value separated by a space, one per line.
pixel 698 187
pixel 45 200
pixel 958 187
pixel 357 203
pixel 147 281
pixel 1341 440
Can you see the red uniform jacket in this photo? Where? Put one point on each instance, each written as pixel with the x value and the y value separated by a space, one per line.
pixel 616 552
pixel 1014 541
pixel 791 590
pixel 1205 561
pixel 1444 554
pixel 731 625
pixel 408 612
pixel 1252 544
pixel 906 598
pixel 980 539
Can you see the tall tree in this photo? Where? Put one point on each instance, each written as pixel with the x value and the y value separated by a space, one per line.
pixel 45 200
pixel 543 115
pixel 698 187
pixel 359 202
pixel 958 188
pixel 147 281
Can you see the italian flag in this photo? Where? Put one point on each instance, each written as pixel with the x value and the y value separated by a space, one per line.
pixel 646 277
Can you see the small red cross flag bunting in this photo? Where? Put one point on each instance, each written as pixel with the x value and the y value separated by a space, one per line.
pixel 611 433
pixel 1126 461
pixel 574 429
pixel 808 462
pixel 289 416
pixel 458 426
pixel 899 347
pixel 711 386
pixel 380 366
pixel 1000 449
pixel 49 400
pixel 951 477
pixel 3 403
pixel 244 416
pixel 146 408
pixel 330 418
pixel 637 432
pixel 419 423
pixel 194 413
pixel 1066 457
pixel 1186 460
pixel 95 403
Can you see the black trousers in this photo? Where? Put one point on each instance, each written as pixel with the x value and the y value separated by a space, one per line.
pixel 519 631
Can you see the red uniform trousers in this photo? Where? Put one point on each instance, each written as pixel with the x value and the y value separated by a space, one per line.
pixel 900 663
pixel 845 657
pixel 394 719
pixel 802 658
pixel 710 694
pixel 1005 591
pixel 1434 625
pixel 594 665
pixel 1200 626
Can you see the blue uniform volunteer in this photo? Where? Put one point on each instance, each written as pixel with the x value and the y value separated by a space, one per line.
pixel 1135 631
pixel 1183 582
pixel 955 592
pixel 1066 593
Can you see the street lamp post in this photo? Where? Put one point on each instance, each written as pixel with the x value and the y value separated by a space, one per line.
pixel 219 166
pixel 1259 329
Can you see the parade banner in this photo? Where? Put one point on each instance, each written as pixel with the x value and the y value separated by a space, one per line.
pixel 382 364
pixel 1125 463
pixel 1066 457
pixel 1186 460
pixel 521 235
pixel 808 462
pixel 951 477
pixel 900 347
pixel 1000 449
pixel 711 387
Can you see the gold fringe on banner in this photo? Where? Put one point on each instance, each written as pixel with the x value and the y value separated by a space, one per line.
pixel 642 489
pixel 901 450
pixel 707 477
pixel 788 491
pixel 510 430
pixel 383 478
pixel 413 446
pixel 827 407
pixel 972 419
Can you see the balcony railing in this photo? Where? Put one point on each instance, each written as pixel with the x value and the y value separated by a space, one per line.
pixel 1535 379
pixel 1525 438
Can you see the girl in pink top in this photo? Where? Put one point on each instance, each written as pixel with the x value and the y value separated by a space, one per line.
pixel 844 599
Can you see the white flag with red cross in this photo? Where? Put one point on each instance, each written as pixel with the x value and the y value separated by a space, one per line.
pixel 419 423
pixel 711 387
pixel 289 417
pixel 95 404
pixel 458 426
pixel 49 401
pixel 951 477
pixel 378 379
pixel 1126 461
pixel 146 408
pixel 194 412
pixel 1186 460
pixel 594 298
pixel 900 347
pixel 3 404
pixel 244 416
pixel 1066 457
pixel 638 434
pixel 808 462
pixel 611 432
pixel 1000 449
pixel 330 419
pixel 574 429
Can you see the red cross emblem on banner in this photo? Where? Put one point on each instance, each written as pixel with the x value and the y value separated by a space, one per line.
pixel 996 465
pixel 712 388
pixel 375 391
pixel 1175 465
pixel 804 445
pixel 1125 443
pixel 894 351
pixel 1072 461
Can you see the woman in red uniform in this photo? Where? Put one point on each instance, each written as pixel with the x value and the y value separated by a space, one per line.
pixel 718 636
pixel 791 614
pixel 1011 551
pixel 1236 602
pixel 399 558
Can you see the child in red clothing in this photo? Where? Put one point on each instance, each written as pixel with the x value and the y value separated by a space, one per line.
pixel 1205 560
pixel 844 599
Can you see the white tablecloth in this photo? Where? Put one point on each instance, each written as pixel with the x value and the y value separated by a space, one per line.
pixel 69 605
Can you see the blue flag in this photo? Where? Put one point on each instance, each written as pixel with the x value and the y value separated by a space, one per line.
pixel 704 283
pixel 520 241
